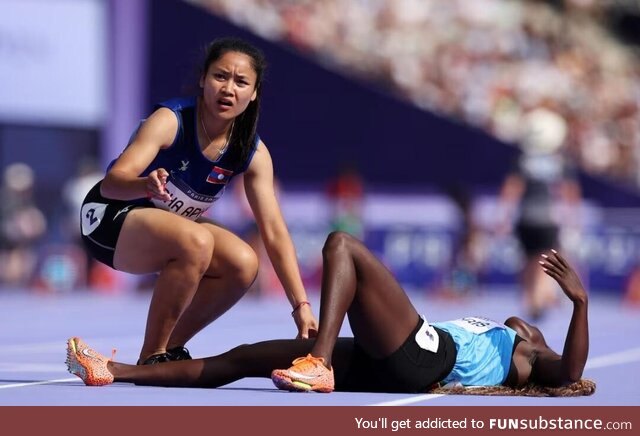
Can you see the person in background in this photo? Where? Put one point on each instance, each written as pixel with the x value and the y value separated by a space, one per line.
pixel 461 277
pixel 266 282
pixel 529 198
pixel 73 193
pixel 22 224
pixel 346 194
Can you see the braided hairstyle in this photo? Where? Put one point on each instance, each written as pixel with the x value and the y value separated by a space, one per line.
pixel 580 388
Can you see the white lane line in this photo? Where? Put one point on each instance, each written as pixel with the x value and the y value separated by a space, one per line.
pixel 619 358
pixel 410 400
pixel 632 355
pixel 45 347
pixel 46 382
pixel 31 367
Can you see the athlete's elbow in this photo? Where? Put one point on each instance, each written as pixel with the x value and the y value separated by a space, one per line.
pixel 108 186
pixel 115 185
pixel 573 375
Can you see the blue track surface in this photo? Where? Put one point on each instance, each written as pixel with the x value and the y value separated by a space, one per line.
pixel 34 330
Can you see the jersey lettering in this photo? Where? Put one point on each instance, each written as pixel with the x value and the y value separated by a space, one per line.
pixel 184 201
pixel 192 212
pixel 477 325
pixel 176 206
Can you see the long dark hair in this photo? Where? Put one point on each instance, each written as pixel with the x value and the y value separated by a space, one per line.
pixel 245 125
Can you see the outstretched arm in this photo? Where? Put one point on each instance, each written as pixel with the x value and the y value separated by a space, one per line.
pixel 549 368
pixel 262 198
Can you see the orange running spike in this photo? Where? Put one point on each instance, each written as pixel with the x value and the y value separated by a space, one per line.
pixel 88 364
pixel 307 374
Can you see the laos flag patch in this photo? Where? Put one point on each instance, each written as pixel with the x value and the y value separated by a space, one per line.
pixel 219 176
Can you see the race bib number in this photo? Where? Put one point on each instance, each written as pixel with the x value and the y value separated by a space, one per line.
pixel 427 337
pixel 184 200
pixel 91 217
pixel 477 325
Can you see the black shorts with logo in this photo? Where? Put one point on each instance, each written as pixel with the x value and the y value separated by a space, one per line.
pixel 101 220
pixel 409 369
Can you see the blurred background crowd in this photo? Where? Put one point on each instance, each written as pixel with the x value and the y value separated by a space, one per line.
pixel 544 95
pixel 485 62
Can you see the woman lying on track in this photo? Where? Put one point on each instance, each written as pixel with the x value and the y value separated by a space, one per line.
pixel 393 348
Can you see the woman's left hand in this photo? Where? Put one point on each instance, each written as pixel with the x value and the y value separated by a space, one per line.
pixel 558 268
pixel 306 322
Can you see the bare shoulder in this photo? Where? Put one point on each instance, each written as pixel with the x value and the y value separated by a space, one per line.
pixel 262 148
pixel 161 128
pixel 261 161
pixel 534 363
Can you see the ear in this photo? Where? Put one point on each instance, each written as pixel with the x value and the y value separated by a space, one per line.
pixel 254 95
pixel 201 82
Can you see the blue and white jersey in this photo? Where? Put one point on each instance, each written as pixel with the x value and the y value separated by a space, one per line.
pixel 484 351
pixel 194 181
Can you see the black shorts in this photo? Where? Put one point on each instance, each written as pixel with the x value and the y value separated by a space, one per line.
pixel 536 239
pixel 409 369
pixel 101 220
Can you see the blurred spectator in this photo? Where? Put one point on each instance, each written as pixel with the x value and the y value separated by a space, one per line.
pixel 266 282
pixel 484 61
pixel 22 225
pixel 632 290
pixel 346 195
pixel 529 200
pixel 462 275
pixel 74 190
pixel 73 193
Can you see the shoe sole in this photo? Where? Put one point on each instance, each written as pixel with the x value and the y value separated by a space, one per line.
pixel 287 384
pixel 76 368
pixel 73 365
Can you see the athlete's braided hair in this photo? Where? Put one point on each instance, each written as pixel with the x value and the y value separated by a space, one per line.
pixel 244 130
pixel 580 388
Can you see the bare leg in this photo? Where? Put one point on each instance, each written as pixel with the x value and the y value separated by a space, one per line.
pixel 528 278
pixel 255 360
pixel 153 240
pixel 539 290
pixel 356 283
pixel 233 268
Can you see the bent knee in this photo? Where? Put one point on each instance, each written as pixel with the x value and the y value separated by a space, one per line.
pixel 338 240
pixel 196 248
pixel 243 267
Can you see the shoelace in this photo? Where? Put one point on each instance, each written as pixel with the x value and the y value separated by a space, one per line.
pixel 303 362
pixel 76 350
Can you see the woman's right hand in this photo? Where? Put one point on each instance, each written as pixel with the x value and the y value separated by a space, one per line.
pixel 306 322
pixel 156 182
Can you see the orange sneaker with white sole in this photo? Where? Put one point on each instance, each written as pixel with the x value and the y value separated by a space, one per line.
pixel 88 364
pixel 307 374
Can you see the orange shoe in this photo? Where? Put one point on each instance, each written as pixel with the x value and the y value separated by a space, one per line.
pixel 307 374
pixel 87 364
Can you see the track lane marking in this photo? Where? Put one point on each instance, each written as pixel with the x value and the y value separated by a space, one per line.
pixel 612 359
